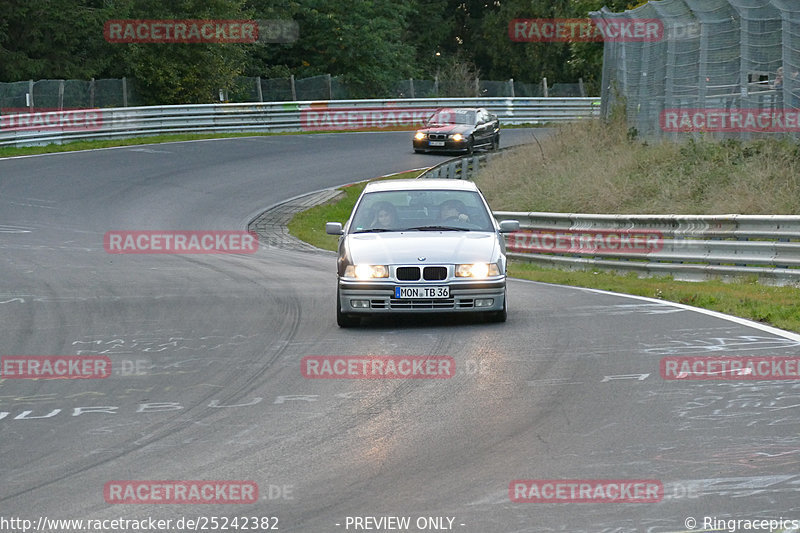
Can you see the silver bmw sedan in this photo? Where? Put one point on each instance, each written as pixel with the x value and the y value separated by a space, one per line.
pixel 421 246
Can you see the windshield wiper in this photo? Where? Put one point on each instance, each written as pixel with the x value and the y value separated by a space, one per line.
pixel 436 228
pixel 373 230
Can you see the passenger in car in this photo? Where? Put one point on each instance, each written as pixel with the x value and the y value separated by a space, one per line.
pixel 385 216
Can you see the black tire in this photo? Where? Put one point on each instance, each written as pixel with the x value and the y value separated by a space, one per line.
pixel 471 145
pixel 343 319
pixel 419 151
pixel 496 143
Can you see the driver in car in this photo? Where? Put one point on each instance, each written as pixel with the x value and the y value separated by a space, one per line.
pixel 453 210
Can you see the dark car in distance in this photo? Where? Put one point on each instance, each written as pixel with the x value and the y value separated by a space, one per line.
pixel 458 130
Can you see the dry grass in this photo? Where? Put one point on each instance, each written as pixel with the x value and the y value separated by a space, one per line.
pixel 592 167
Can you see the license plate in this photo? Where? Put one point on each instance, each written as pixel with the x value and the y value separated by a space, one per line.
pixel 439 291
pixel 436 143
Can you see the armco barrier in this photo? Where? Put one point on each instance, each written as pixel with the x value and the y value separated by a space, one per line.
pixel 41 128
pixel 687 247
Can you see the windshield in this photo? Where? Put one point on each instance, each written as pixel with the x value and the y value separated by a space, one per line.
pixel 421 210
pixel 453 116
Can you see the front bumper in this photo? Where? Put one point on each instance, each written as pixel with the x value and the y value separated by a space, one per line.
pixel 380 295
pixel 449 146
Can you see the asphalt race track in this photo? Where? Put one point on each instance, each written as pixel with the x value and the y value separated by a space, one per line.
pixel 206 381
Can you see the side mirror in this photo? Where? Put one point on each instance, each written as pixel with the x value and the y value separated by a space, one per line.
pixel 333 228
pixel 509 226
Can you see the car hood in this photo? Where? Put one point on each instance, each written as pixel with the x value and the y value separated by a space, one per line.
pixel 442 247
pixel 450 128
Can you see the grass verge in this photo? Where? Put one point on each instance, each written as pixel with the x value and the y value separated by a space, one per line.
pixel 10 151
pixel 745 298
pixel 74 146
pixel 593 167
pixel 775 306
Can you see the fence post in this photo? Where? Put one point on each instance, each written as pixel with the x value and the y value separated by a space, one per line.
pixel 581 88
pixel 124 91
pixel 91 92
pixel 258 89
pixel 30 92
pixel 477 87
pixel 511 85
pixel 436 85
pixel 330 86
pixel 411 82
pixel 544 88
pixel 294 91
pixel 61 95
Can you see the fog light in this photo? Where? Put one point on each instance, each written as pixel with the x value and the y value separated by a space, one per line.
pixel 359 304
pixel 484 302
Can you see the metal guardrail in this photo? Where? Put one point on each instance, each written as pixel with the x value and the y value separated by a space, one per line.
pixel 46 127
pixel 687 247
pixel 458 168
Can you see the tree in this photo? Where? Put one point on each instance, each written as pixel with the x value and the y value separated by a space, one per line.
pixel 532 61
pixel 177 73
pixel 52 39
pixel 360 40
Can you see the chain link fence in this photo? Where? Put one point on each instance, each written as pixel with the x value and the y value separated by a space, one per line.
pixel 722 68
pixel 31 95
pixel 66 94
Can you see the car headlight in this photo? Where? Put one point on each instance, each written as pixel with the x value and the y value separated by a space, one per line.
pixel 366 271
pixel 420 136
pixel 477 270
pixel 457 137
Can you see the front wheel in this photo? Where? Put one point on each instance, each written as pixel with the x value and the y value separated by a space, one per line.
pixel 471 145
pixel 343 319
pixel 496 143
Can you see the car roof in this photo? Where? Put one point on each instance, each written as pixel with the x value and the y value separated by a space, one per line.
pixel 420 185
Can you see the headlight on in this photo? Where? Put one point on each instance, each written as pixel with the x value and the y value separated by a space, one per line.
pixel 477 270
pixel 366 271
pixel 458 137
pixel 420 136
